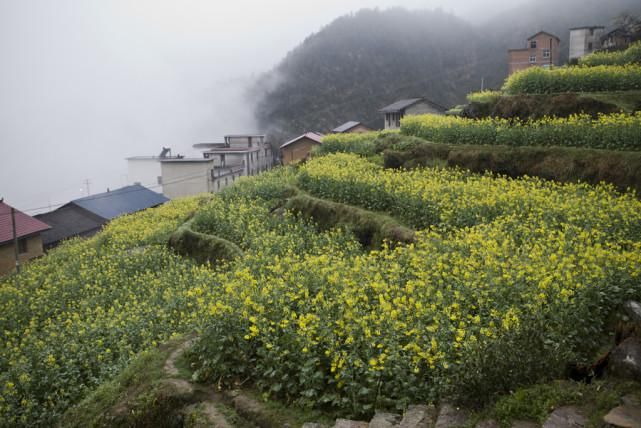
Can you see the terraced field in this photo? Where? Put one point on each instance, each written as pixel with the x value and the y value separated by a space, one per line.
pixel 424 284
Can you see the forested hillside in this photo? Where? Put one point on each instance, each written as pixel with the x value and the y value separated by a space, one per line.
pixel 361 62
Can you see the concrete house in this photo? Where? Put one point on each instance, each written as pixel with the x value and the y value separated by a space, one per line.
pixel 220 166
pixel 146 170
pixel 585 40
pixel 616 39
pixel 299 148
pixel 28 231
pixel 543 50
pixel 351 127
pixel 395 112
pixel 85 217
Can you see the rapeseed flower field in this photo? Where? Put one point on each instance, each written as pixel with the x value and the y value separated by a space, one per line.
pixel 616 131
pixel 504 275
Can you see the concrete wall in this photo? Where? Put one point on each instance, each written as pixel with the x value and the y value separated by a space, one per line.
pixel 143 171
pixel 244 141
pixel 224 178
pixel 584 41
pixel 297 151
pixel 186 178
pixel 7 257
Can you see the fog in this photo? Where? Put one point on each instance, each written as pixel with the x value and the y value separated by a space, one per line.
pixel 86 83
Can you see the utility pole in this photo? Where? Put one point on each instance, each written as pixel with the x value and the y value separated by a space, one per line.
pixel 482 83
pixel 15 239
pixel 87 183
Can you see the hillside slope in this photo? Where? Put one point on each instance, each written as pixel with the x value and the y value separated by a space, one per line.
pixel 361 62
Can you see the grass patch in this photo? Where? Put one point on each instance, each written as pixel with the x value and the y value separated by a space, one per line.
pixel 620 168
pixel 202 247
pixel 136 397
pixel 292 415
pixel 535 403
pixel 371 229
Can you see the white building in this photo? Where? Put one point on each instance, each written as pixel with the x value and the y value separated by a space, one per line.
pixel 221 165
pixel 585 40
pixel 146 170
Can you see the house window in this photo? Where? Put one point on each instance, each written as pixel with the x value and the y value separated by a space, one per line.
pixel 546 53
pixel 590 46
pixel 532 44
pixel 22 246
pixel 532 59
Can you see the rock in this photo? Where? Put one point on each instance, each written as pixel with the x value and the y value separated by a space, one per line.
pixel 566 417
pixel 419 416
pixel 625 416
pixel 385 420
pixel 631 400
pixel 625 359
pixel 525 424
pixel 450 417
pixel 346 423
pixel 488 423
pixel 633 310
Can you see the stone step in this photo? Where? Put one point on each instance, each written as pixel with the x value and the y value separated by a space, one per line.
pixel 566 417
pixel 625 416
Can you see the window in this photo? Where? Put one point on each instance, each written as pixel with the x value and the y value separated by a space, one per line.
pixel 546 53
pixel 590 46
pixel 532 44
pixel 532 59
pixel 22 246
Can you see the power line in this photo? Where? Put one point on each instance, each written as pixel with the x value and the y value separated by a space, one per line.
pixel 110 194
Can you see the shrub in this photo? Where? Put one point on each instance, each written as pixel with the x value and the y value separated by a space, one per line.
pixel 484 97
pixel 537 80
pixel 364 144
pixel 617 131
pixel 631 55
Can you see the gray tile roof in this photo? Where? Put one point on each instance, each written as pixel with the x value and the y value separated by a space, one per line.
pixel 346 126
pixel 69 221
pixel 400 105
pixel 125 200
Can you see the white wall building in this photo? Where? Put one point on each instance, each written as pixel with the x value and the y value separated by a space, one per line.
pixel 144 170
pixel 585 40
pixel 221 165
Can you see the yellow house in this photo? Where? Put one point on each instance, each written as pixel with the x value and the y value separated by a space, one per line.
pixel 299 148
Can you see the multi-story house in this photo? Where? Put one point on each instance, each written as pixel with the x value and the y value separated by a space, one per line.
pixel 220 166
pixel 543 50
pixel 585 40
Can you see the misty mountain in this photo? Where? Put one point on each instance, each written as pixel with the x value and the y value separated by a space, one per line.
pixel 366 60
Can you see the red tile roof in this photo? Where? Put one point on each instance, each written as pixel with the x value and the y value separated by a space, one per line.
pixel 25 225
